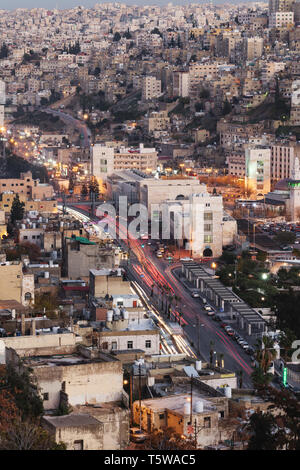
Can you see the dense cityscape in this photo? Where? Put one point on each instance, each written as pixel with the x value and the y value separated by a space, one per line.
pixel 150 228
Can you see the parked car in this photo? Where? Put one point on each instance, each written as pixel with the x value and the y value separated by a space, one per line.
pixel 137 435
pixel 195 294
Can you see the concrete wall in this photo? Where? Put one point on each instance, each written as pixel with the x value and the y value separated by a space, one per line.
pixel 91 435
pixel 91 382
pixel 138 339
pixel 11 282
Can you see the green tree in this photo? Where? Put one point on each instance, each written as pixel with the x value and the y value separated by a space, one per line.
pixel 285 237
pixel 117 36
pixel 22 384
pixel 94 187
pixel 84 190
pixel 263 428
pixel 17 210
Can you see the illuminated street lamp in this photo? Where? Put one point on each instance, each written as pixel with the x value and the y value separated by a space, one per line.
pixel 264 276
pixel 213 266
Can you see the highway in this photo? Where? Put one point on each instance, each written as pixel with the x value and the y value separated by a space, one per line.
pixel 147 270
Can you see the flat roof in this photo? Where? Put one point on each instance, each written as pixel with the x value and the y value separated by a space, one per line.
pixel 72 420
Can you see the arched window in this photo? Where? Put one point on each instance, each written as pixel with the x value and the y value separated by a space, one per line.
pixel 28 296
pixel 207 253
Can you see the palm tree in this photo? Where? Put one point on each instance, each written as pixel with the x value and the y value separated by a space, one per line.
pixel 211 352
pixel 240 374
pixel 265 353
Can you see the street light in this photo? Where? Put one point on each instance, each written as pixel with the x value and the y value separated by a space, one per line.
pixel 213 266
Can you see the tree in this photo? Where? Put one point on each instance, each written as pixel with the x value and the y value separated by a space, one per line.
pixel 227 108
pixel 17 210
pixel 266 353
pixel 260 378
pixel 31 249
pixel 28 435
pixel 127 34
pixel 4 51
pixel 285 237
pixel 263 428
pixel 84 190
pixel 94 187
pixel 286 427
pixel 25 391
pixel 117 36
pixel 167 439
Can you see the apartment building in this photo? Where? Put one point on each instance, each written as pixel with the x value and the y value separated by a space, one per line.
pixel 27 186
pixel 181 84
pixel 282 161
pixel 253 47
pixel 16 285
pixel 157 121
pixel 281 19
pixel 105 160
pixel 151 88
pixel 199 72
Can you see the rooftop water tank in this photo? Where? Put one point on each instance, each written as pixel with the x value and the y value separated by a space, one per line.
pixel 116 311
pixel 227 392
pixel 187 408
pixel 125 315
pixel 198 365
pixel 109 315
pixel 199 406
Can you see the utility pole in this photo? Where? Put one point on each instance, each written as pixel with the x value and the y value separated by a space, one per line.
pixel 130 393
pixel 140 397
pixel 191 411
pixel 198 335
pixel 64 203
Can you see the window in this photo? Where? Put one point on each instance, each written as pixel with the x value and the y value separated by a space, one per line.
pixel 148 343
pixel 114 345
pixel 208 216
pixel 45 396
pixel 207 422
pixel 129 344
pixel 207 227
pixel 78 445
pixel 25 237
pixel 28 296
pixel 162 416
pixel 221 414
pixel 208 238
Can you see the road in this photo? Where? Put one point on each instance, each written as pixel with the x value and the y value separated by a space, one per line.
pixel 70 120
pixel 148 270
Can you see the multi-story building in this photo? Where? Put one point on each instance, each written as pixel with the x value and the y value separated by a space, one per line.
pixel 281 19
pixel 253 47
pixel 27 186
pixel 151 88
pixel 181 84
pixel 2 102
pixel 105 160
pixel 258 170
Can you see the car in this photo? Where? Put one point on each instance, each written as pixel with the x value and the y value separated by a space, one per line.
pixel 195 294
pixel 137 435
pixel 208 308
pixel 230 332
